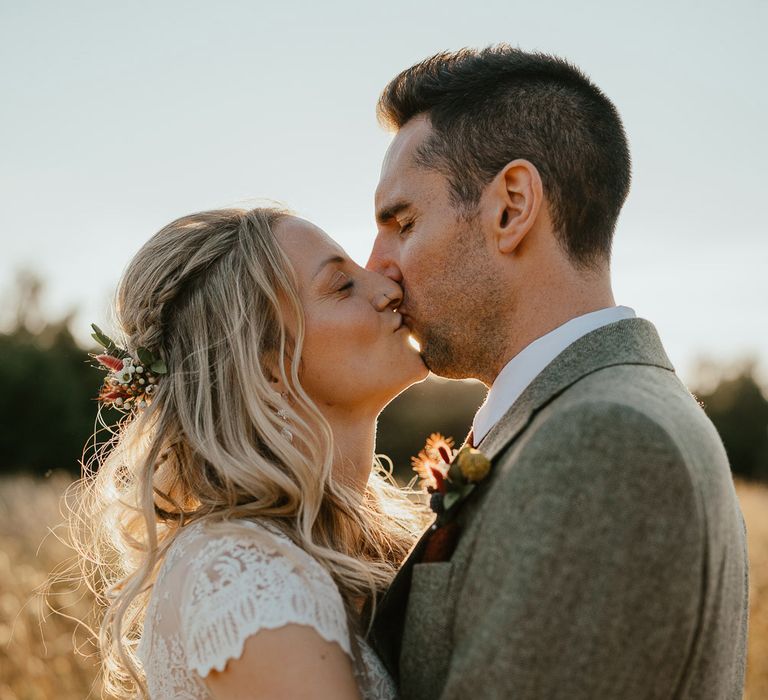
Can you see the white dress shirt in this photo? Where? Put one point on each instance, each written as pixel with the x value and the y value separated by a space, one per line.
pixel 522 369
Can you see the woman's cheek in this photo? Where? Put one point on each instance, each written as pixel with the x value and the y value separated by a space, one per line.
pixel 350 335
pixel 357 328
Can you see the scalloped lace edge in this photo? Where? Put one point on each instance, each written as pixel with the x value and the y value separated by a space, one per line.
pixel 234 650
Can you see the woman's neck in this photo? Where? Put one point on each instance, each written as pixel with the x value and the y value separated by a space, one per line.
pixel 354 437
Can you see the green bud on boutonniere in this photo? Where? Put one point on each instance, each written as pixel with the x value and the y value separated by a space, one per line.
pixel 474 465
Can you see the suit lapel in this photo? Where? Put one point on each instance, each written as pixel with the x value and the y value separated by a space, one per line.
pixel 633 341
pixel 387 629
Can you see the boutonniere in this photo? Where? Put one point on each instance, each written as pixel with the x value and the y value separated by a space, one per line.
pixel 449 475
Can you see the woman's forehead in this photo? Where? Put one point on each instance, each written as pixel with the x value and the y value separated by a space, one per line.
pixel 305 244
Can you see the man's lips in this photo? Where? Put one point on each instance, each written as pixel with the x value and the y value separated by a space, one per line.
pixel 406 322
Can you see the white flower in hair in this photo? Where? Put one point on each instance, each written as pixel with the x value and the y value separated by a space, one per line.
pixel 125 375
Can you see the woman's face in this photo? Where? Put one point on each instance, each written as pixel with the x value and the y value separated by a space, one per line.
pixel 356 355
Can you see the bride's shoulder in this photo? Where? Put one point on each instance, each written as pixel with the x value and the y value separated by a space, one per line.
pixel 235 578
pixel 212 555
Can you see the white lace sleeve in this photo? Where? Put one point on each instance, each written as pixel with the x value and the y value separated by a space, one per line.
pixel 242 585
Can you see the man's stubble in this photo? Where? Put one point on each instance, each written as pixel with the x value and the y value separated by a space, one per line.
pixel 462 333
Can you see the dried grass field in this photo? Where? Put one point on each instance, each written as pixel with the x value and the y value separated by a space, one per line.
pixel 37 658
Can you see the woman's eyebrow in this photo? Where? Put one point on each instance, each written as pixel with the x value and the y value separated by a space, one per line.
pixel 328 261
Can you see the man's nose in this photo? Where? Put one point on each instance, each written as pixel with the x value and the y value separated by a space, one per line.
pixel 382 261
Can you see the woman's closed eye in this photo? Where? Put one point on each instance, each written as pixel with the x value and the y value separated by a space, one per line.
pixel 342 282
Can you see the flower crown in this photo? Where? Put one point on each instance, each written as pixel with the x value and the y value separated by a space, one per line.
pixel 130 381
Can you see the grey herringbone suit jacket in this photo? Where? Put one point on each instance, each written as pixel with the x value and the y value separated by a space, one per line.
pixel 604 557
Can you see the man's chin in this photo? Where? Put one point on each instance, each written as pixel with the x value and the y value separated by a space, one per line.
pixel 435 354
pixel 441 362
pixel 431 362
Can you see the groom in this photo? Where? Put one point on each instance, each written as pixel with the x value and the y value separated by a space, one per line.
pixel 605 556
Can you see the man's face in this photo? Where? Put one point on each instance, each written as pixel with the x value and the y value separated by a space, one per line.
pixel 439 257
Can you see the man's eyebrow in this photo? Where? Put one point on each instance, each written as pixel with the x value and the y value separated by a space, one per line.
pixel 388 213
pixel 328 261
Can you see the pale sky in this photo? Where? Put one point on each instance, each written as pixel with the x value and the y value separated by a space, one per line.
pixel 118 117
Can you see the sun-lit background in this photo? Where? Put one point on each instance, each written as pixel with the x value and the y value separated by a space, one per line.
pixel 118 117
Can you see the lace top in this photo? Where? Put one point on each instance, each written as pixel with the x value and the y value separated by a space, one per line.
pixel 220 584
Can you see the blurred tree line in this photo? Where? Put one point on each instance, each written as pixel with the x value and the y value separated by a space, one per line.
pixel 47 406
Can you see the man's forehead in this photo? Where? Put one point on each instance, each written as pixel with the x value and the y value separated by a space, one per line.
pixel 399 160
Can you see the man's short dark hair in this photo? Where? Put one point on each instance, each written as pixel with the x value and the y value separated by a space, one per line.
pixel 491 106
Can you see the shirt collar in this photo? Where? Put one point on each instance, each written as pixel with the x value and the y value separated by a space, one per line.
pixel 522 369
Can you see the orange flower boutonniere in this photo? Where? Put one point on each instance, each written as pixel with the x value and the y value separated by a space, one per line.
pixel 449 475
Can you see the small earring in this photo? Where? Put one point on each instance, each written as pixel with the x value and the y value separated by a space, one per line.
pixel 283 413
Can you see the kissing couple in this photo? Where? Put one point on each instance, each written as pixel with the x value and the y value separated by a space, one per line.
pixel 584 543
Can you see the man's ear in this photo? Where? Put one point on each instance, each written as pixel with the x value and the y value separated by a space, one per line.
pixel 516 195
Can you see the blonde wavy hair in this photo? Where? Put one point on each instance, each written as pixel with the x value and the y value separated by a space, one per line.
pixel 214 295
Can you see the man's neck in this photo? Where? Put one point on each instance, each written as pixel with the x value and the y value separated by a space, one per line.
pixel 535 320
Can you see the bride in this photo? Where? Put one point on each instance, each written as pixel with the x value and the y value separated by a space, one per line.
pixel 237 520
